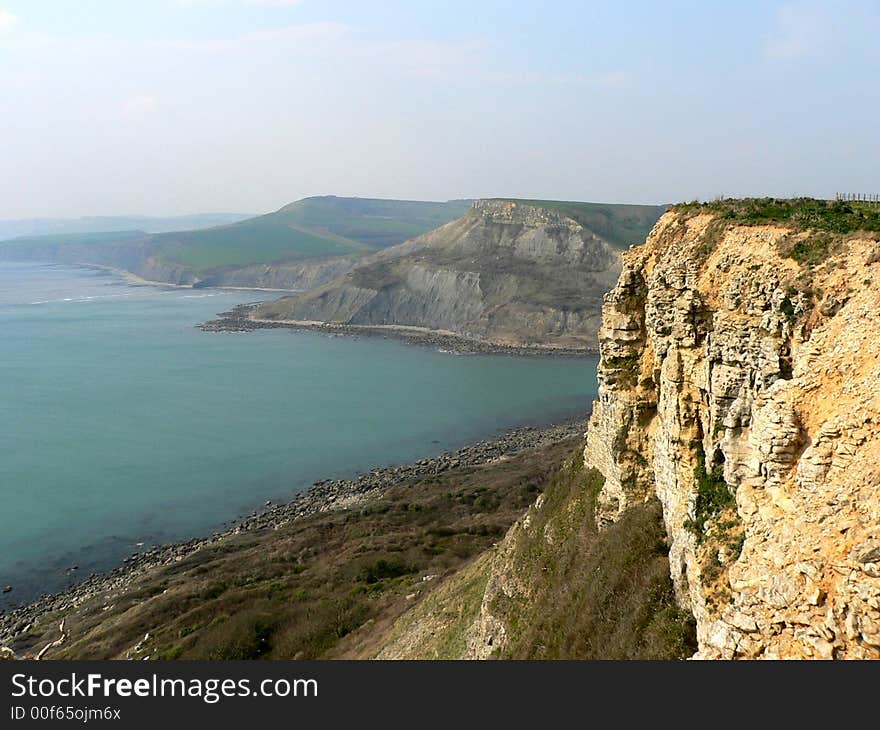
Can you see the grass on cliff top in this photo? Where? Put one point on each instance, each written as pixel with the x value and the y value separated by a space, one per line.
pixel 801 213
pixel 619 224
pixel 819 229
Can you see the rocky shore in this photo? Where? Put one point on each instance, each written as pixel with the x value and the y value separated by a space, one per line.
pixel 322 496
pixel 239 319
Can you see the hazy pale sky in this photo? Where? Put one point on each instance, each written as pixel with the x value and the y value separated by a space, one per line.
pixel 179 106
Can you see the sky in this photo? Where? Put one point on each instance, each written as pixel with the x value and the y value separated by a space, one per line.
pixel 178 106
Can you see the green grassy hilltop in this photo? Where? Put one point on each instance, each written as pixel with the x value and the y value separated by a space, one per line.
pixel 620 225
pixel 834 216
pixel 312 228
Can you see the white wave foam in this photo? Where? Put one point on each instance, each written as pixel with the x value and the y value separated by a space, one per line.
pixel 85 298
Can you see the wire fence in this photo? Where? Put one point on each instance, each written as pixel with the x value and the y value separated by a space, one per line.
pixel 857 197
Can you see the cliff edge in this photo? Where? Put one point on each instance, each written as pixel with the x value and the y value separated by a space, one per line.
pixel 740 384
pixel 738 416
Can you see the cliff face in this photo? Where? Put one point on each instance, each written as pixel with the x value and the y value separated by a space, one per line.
pixel 506 272
pixel 740 384
pixel 138 256
pixel 130 253
pixel 292 276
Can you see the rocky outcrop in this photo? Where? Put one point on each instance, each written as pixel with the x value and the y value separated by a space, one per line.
pixel 507 272
pixel 742 389
pixel 440 299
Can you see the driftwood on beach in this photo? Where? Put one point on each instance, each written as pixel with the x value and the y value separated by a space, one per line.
pixel 53 644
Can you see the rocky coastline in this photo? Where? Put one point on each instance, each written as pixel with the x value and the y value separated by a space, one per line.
pixel 322 496
pixel 239 319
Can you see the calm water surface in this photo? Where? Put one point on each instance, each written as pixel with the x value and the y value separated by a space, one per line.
pixel 121 424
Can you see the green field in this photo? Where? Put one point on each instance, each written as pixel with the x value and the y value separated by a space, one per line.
pixel 323 227
pixel 620 225
pixel 373 222
pixel 311 228
pixel 256 242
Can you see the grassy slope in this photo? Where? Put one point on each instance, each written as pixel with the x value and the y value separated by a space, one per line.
pixel 595 595
pixel 575 593
pixel 255 241
pixel 373 222
pixel 307 229
pixel 338 584
pixel 310 228
pixel 319 586
pixel 620 225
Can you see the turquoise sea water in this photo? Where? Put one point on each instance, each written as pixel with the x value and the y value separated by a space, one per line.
pixel 122 424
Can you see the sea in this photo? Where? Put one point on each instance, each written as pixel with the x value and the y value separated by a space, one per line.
pixel 123 426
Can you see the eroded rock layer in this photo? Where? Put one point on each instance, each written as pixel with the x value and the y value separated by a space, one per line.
pixel 740 384
pixel 507 272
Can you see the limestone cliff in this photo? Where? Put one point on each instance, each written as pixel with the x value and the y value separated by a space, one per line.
pixel 508 272
pixel 740 384
pixel 739 397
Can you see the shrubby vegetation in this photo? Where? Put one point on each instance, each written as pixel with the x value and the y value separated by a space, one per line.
pixel 820 228
pixel 311 588
pixel 331 585
pixel 801 213
pixel 713 496
pixel 718 529
pixel 597 595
